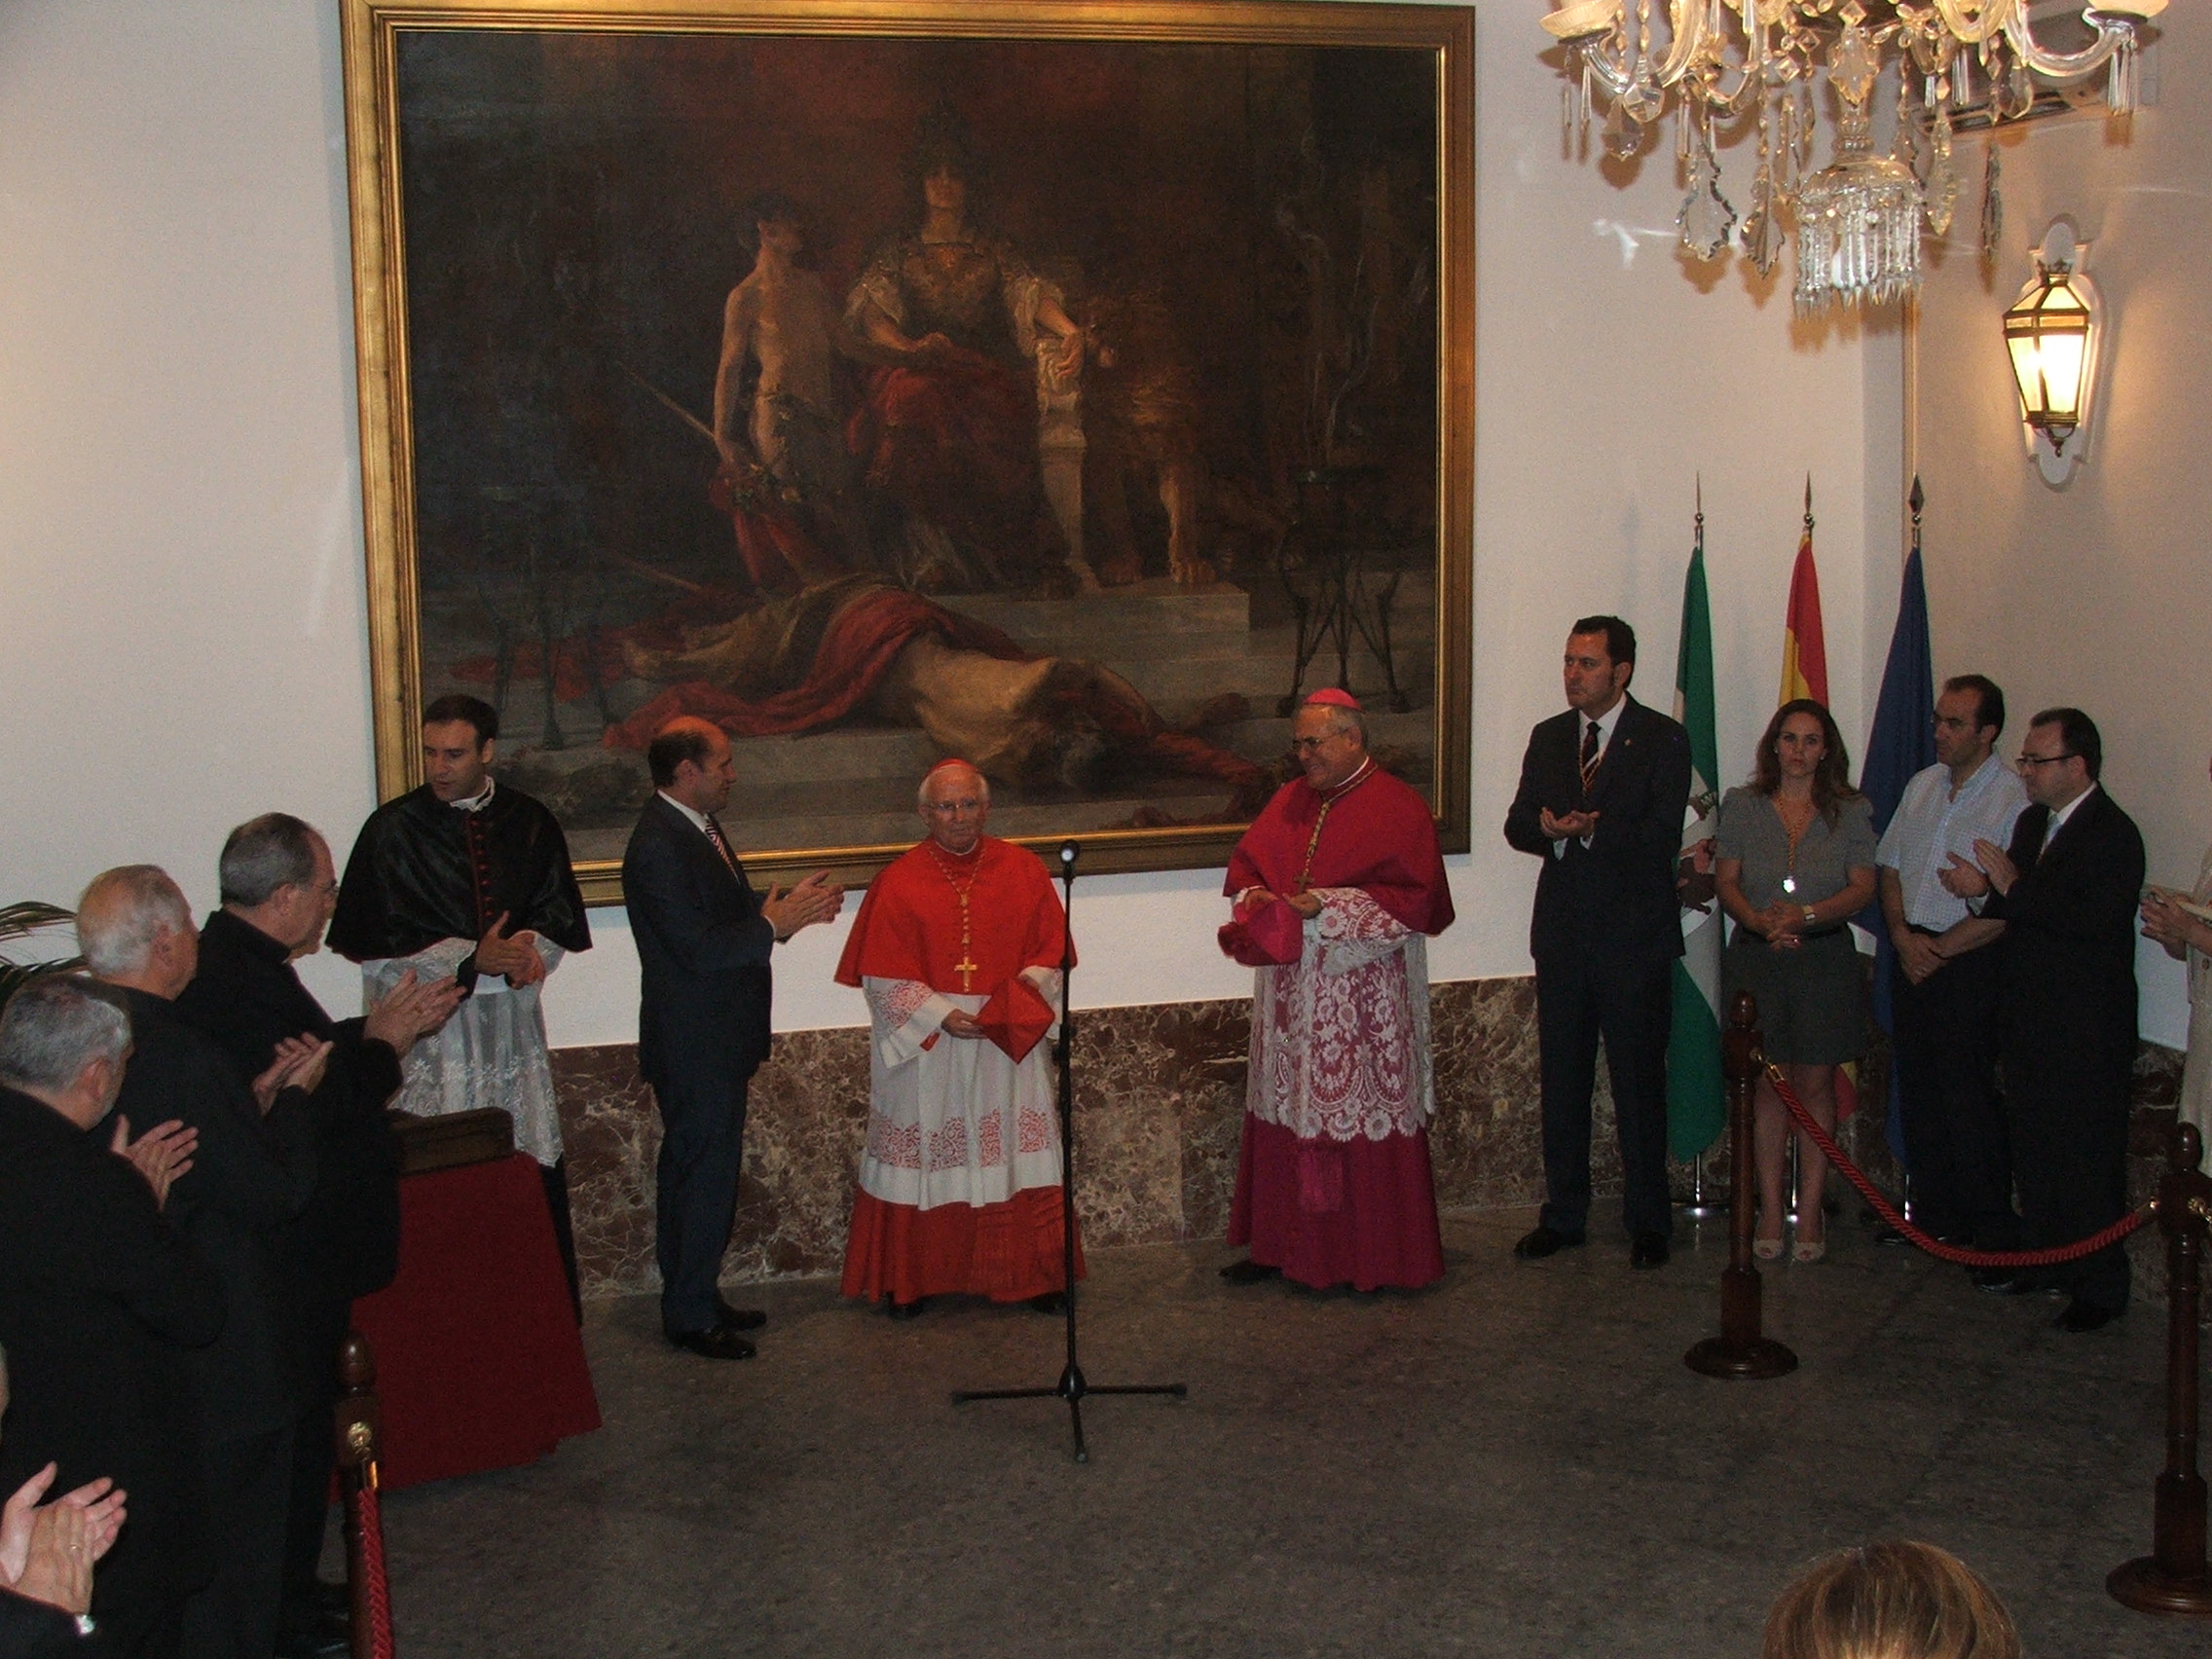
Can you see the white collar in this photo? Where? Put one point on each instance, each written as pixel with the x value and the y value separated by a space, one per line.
pixel 2058 819
pixel 696 818
pixel 478 801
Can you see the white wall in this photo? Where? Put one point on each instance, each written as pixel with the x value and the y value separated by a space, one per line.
pixel 2094 595
pixel 180 541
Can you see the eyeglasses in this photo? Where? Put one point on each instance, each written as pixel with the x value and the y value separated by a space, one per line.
pixel 2045 759
pixel 1300 745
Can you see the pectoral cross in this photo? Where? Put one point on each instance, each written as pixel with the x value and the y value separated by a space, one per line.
pixel 966 970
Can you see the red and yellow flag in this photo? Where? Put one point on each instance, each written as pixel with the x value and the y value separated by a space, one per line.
pixel 1805 673
pixel 1804 654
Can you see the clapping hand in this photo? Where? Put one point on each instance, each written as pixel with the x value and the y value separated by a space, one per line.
pixel 162 1154
pixel 300 1064
pixel 1566 825
pixel 46 1552
pixel 514 959
pixel 411 1010
pixel 1962 879
pixel 817 898
pixel 1997 865
pixel 2167 923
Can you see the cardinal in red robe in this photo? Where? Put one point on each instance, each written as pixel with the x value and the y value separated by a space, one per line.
pixel 1336 886
pixel 959 947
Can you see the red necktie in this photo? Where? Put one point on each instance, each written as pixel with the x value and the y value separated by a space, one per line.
pixel 1589 754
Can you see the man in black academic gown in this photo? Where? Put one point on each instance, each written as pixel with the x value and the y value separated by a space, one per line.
pixel 278 890
pixel 251 1173
pixel 99 1297
pixel 2066 891
pixel 471 877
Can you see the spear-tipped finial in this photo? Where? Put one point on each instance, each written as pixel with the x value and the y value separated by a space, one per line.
pixel 1700 522
pixel 1917 499
pixel 1808 500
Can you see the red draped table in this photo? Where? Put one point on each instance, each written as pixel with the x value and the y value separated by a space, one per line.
pixel 479 1362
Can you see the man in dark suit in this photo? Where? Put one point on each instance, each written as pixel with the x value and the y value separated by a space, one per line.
pixel 2066 891
pixel 252 1174
pixel 1603 787
pixel 278 887
pixel 99 1297
pixel 704 937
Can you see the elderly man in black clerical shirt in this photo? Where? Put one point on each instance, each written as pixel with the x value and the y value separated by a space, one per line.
pixel 99 1299
pixel 278 890
pixel 251 1173
pixel 470 877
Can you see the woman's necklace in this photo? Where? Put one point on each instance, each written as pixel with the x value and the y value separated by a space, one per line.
pixel 966 965
pixel 1796 818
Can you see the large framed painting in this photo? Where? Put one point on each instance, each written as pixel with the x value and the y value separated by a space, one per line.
pixel 1067 386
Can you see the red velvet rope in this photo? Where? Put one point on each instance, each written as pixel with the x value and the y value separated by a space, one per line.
pixel 368 1519
pixel 1890 1213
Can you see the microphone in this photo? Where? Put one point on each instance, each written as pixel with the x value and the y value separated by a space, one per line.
pixel 1068 851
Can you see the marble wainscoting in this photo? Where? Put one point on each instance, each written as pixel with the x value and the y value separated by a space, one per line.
pixel 1159 1103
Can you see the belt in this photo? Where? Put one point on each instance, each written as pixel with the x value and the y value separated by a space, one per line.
pixel 1825 933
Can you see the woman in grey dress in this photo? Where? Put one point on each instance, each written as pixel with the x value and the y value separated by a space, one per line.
pixel 1794 862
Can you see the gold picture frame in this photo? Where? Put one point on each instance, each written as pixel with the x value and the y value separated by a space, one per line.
pixel 1233 241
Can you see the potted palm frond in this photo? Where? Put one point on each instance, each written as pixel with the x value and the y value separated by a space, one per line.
pixel 21 920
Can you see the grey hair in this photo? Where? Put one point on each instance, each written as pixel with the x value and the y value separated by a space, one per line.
pixel 123 911
pixel 922 789
pixel 57 1025
pixel 264 853
pixel 1342 719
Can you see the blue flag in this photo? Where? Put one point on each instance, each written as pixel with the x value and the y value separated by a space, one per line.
pixel 1901 743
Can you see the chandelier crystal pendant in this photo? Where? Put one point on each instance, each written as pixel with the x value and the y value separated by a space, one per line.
pixel 1857 220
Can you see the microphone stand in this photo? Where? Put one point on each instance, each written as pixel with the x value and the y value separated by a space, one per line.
pixel 1071 1387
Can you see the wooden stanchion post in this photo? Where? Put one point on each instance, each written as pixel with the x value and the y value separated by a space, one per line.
pixel 1741 1352
pixel 358 1424
pixel 2174 1577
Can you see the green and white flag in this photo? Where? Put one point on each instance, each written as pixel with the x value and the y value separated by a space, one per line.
pixel 1696 1106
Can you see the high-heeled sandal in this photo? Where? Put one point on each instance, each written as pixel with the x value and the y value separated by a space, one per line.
pixel 1767 1249
pixel 1808 1250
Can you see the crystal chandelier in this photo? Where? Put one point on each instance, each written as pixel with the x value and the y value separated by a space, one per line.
pixel 1857 220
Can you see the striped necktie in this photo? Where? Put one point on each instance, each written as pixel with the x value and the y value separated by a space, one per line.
pixel 721 846
pixel 1589 754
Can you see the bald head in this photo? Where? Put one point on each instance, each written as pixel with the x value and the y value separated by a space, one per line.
pixel 690 761
pixel 954 800
pixel 136 929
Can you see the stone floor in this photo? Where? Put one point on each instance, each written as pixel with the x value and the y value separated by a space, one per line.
pixel 1515 1463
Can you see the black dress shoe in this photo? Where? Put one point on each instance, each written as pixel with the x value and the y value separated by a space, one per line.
pixel 1997 1282
pixel 1052 1302
pixel 738 1318
pixel 1649 1250
pixel 908 1309
pixel 2083 1315
pixel 1249 1272
pixel 720 1343
pixel 1889 1235
pixel 1545 1242
pixel 333 1598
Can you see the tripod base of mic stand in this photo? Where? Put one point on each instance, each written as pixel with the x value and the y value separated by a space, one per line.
pixel 1072 1388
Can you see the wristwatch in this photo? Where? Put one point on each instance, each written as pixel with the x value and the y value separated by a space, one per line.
pixel 1810 919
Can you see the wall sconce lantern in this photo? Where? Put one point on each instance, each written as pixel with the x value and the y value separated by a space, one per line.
pixel 2051 335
